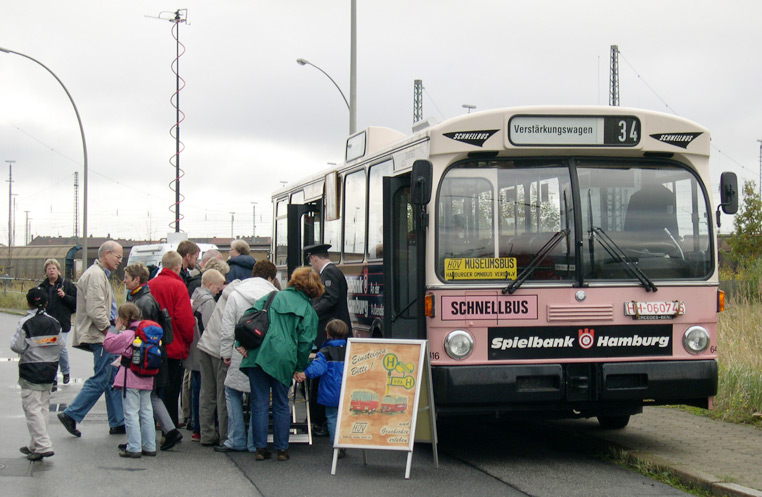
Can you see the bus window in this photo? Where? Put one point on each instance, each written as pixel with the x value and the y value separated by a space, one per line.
pixel 281 234
pixel 375 208
pixel 332 236
pixel 533 203
pixel 354 216
pixel 656 214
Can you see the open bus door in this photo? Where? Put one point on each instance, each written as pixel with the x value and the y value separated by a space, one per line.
pixel 302 230
pixel 404 256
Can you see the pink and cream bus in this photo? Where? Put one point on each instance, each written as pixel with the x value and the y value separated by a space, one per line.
pixel 559 260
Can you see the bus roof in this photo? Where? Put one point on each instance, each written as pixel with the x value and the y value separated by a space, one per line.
pixel 546 130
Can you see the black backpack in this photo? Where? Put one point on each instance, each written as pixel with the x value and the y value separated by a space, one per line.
pixel 251 329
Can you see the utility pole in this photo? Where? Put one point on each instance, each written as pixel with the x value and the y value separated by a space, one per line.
pixel 614 77
pixel 10 214
pixel 253 222
pixel 417 100
pixel 232 219
pixel 26 228
pixel 760 168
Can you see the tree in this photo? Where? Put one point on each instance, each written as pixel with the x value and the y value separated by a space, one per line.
pixel 746 239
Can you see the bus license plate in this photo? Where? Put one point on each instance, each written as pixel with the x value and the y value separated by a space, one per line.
pixel 654 310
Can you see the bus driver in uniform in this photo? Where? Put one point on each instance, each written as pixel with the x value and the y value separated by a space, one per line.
pixel 331 305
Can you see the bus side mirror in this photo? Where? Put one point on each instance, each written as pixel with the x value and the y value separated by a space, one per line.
pixel 420 183
pixel 729 193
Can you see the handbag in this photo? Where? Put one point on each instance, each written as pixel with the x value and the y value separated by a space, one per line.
pixel 251 329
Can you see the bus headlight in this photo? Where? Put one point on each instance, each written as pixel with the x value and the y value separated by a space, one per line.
pixel 459 344
pixel 696 339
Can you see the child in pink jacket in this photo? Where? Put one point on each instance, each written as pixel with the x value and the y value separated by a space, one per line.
pixel 136 402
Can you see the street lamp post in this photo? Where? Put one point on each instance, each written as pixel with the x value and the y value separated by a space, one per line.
pixel 84 151
pixel 305 62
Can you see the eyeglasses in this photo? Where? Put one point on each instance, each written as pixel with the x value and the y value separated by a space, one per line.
pixel 118 257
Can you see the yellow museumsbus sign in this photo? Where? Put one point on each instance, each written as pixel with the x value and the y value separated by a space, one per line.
pixel 481 268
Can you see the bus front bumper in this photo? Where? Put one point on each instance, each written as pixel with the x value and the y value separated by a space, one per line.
pixel 512 387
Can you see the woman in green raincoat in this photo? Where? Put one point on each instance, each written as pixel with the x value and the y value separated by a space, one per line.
pixel 284 351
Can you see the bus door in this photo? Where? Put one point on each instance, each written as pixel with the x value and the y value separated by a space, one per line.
pixel 400 260
pixel 303 229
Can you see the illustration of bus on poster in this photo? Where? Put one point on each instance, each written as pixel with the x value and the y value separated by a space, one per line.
pixel 380 394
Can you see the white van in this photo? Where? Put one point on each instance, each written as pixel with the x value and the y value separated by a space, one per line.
pixel 151 255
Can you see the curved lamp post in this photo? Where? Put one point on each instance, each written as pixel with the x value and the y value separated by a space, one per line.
pixel 84 150
pixel 305 62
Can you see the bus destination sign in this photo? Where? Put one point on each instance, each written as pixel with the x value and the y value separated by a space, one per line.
pixel 591 131
pixel 482 268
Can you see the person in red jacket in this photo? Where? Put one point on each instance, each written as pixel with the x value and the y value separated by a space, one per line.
pixel 169 290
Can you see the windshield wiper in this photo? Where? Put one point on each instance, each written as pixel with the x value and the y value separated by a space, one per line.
pixel 550 245
pixel 618 254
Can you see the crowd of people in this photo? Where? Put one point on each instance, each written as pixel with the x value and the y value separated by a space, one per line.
pixel 168 357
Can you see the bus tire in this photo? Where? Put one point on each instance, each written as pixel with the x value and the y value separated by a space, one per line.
pixel 613 422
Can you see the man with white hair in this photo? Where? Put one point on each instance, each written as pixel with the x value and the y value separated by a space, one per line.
pixel 96 311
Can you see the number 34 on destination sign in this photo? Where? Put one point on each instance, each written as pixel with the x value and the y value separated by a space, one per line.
pixel 482 268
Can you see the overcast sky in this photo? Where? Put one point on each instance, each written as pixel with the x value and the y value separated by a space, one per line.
pixel 255 118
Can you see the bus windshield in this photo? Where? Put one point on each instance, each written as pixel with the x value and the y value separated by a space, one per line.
pixel 495 217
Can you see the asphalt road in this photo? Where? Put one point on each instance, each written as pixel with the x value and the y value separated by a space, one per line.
pixel 477 456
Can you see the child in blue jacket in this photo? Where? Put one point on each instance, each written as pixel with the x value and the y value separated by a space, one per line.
pixel 328 365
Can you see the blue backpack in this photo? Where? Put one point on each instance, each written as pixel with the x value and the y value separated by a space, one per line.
pixel 146 349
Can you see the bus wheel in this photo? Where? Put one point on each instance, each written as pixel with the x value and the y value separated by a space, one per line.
pixel 613 422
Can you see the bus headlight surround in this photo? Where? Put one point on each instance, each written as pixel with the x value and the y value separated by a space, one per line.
pixel 696 339
pixel 459 344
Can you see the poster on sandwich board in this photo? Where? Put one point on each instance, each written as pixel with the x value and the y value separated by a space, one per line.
pixel 380 397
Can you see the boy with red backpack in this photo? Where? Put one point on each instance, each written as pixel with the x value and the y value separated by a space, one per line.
pixel 139 345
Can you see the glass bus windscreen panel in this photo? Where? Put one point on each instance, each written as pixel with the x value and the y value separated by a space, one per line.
pixel 656 215
pixel 533 202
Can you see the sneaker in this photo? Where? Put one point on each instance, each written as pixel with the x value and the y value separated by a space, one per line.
pixel 283 455
pixel 66 379
pixel 319 431
pixel 36 456
pixel 69 424
pixel 117 430
pixel 122 446
pixel 149 453
pixel 262 454
pixel 25 450
pixel 225 448
pixel 196 437
pixel 132 455
pixel 171 439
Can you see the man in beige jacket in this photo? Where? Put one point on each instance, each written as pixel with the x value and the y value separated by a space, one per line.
pixel 96 311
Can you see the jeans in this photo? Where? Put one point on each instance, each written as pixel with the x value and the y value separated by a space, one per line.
pixel 331 413
pixel 160 413
pixel 138 421
pixel 99 383
pixel 195 392
pixel 261 385
pixel 63 360
pixel 237 438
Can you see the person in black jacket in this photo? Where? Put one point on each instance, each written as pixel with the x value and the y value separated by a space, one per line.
pixel 331 305
pixel 62 303
pixel 38 341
